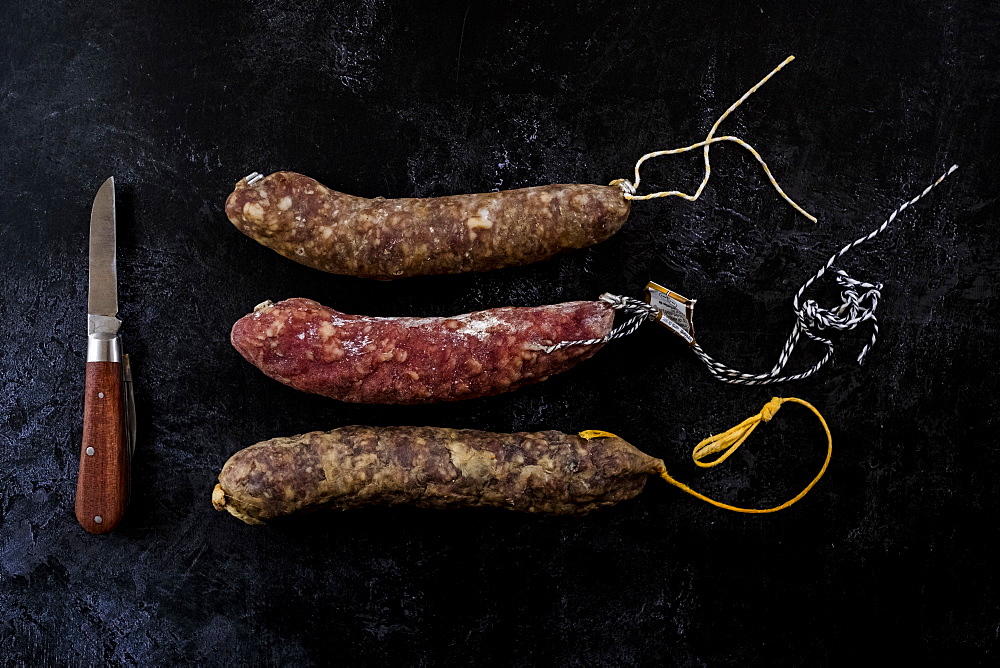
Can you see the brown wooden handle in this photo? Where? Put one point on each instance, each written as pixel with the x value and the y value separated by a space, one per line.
pixel 102 487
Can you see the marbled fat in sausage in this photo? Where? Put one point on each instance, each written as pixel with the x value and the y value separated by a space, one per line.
pixel 544 472
pixel 391 238
pixel 364 359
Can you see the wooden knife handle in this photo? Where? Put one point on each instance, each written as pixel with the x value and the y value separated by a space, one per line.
pixel 102 486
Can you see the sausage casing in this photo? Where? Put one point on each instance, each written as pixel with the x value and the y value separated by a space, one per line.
pixel 392 238
pixel 428 467
pixel 362 359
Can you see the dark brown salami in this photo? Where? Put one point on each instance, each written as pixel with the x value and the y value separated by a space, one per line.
pixel 392 238
pixel 427 467
pixel 364 359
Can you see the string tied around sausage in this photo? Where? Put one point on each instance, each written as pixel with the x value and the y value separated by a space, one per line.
pixel 729 441
pixel 637 310
pixel 630 188
pixel 859 301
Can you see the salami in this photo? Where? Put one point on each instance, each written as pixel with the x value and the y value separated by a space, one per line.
pixel 362 359
pixel 427 467
pixel 393 238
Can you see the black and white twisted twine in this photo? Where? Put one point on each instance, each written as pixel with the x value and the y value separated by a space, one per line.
pixel 639 312
pixel 859 302
pixel 860 299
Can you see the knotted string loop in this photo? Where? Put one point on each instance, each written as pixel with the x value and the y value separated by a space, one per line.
pixel 730 440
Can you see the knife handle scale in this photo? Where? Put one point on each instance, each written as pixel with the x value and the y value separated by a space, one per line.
pixel 102 486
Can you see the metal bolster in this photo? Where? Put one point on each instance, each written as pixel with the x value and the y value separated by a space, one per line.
pixel 102 348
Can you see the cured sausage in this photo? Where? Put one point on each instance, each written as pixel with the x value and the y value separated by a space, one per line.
pixel 364 359
pixel 392 238
pixel 427 467
pixel 543 472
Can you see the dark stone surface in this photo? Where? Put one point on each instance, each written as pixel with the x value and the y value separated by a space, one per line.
pixel 179 100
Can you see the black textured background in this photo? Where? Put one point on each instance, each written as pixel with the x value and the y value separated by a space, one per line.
pixel 891 555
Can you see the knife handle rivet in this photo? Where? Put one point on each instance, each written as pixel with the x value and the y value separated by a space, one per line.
pixel 90 451
pixel 100 395
pixel 98 519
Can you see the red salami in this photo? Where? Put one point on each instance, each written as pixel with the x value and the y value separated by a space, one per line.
pixel 363 359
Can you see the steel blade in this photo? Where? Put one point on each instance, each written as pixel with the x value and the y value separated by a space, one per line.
pixel 102 298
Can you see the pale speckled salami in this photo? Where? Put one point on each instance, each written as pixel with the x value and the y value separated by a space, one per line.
pixel 392 238
pixel 427 467
pixel 364 359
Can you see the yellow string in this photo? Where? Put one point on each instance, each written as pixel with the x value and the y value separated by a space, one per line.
pixel 728 442
pixel 711 139
pixel 595 433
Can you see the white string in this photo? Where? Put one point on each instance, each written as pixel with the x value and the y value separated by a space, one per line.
pixel 629 188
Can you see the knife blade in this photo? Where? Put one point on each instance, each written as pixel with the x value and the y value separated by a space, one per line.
pixel 102 483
